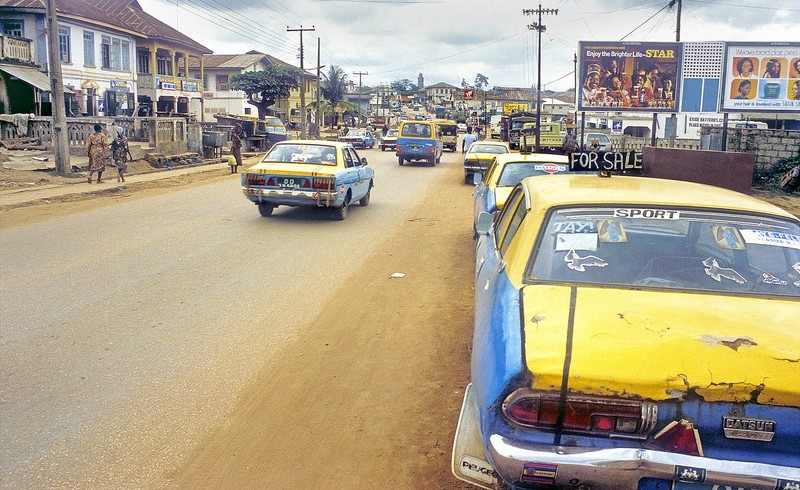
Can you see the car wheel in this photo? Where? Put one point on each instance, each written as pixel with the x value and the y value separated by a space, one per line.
pixel 364 201
pixel 340 213
pixel 439 159
pixel 265 209
pixel 468 178
pixel 432 161
pixel 400 160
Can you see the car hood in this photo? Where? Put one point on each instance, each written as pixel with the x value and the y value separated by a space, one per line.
pixel 275 168
pixel 662 345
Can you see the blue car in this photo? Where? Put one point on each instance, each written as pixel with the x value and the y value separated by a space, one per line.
pixel 359 138
pixel 419 141
pixel 633 333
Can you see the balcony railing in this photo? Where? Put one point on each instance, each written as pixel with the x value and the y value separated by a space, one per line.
pixel 16 48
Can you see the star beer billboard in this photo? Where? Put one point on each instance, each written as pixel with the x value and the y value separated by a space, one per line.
pixel 622 76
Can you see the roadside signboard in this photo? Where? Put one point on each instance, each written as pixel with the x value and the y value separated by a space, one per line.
pixel 761 77
pixel 622 76
pixel 509 108
pixel 469 94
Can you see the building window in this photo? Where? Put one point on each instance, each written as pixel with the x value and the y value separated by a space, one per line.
pixel 116 53
pixel 13 27
pixel 88 48
pixel 63 44
pixel 164 65
pixel 222 82
pixel 143 62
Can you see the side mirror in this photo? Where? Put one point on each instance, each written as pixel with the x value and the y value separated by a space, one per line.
pixel 485 223
pixel 363 160
pixel 476 178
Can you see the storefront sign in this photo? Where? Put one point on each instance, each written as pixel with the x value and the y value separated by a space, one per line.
pixel 119 86
pixel 167 86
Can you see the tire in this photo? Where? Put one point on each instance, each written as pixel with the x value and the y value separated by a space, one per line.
pixel 439 159
pixel 400 160
pixel 340 213
pixel 364 201
pixel 265 209
pixel 432 161
pixel 468 179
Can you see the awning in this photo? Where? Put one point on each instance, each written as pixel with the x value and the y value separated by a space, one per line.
pixel 31 76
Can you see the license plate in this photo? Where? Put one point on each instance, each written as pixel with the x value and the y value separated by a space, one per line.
pixel 415 148
pixel 287 183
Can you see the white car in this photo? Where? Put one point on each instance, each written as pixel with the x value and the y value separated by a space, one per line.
pixel 462 128
pixel 603 141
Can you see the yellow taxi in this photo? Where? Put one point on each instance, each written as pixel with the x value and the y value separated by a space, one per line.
pixel 479 156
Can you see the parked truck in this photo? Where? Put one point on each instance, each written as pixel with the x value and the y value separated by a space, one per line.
pixel 515 122
pixel 550 138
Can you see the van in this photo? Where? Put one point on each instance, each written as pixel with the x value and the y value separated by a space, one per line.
pixel 419 141
pixel 495 126
pixel 449 133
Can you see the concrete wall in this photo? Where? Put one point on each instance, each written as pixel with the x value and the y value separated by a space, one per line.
pixel 722 169
pixel 768 146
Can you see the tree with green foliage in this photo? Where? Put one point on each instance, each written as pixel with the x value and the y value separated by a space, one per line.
pixel 265 87
pixel 334 88
pixel 404 87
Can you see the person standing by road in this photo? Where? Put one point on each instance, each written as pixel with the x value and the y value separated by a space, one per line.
pixel 467 141
pixel 121 152
pixel 96 146
pixel 236 148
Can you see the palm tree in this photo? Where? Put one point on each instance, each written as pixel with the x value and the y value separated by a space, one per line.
pixel 334 85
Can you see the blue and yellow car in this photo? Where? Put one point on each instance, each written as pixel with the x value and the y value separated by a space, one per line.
pixel 506 171
pixel 479 156
pixel 315 173
pixel 633 333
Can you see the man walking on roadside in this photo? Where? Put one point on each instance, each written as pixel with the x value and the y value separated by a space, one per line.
pixel 467 141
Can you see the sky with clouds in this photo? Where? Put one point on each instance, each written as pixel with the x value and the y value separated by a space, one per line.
pixel 451 40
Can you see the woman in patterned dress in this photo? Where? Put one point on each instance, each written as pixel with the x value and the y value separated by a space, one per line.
pixel 96 149
pixel 121 152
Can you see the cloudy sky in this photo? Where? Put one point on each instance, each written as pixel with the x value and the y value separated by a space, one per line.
pixel 451 40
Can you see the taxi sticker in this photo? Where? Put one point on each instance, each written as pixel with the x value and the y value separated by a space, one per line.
pixel 718 273
pixel 728 237
pixel 576 241
pixel 773 238
pixel 611 231
pixel 578 263
pixel 647 214
pixel 575 227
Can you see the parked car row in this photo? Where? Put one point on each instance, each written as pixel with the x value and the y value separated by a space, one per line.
pixel 629 333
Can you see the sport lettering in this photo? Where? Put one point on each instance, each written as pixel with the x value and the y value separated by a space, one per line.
pixel 647 214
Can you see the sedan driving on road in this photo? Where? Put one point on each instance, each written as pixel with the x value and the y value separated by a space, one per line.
pixel 633 333
pixel 359 138
pixel 313 173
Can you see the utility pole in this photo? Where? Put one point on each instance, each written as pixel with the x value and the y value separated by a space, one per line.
pixel 359 73
pixel 303 131
pixel 59 124
pixel 540 28
pixel 319 111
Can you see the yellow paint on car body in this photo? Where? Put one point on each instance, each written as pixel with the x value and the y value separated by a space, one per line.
pixel 661 345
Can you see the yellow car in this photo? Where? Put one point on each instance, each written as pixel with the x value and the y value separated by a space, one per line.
pixel 506 171
pixel 633 333
pixel 316 173
pixel 479 156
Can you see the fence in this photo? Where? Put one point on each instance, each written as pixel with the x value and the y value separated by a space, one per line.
pixel 166 134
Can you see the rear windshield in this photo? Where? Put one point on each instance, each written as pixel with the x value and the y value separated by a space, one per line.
pixel 513 172
pixel 416 130
pixel 669 248
pixel 296 153
pixel 495 149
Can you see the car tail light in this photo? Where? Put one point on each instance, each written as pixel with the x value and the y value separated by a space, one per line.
pixel 272 182
pixel 321 183
pixel 679 437
pixel 595 415
pixel 256 179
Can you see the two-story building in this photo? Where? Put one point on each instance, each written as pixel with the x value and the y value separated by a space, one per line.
pixel 441 94
pixel 219 98
pixel 115 58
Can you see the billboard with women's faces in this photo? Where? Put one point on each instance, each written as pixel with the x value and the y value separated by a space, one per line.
pixel 629 76
pixel 761 77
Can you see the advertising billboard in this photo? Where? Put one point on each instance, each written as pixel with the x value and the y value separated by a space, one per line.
pixel 628 76
pixel 761 77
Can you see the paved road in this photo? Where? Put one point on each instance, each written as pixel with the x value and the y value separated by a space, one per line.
pixel 130 333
